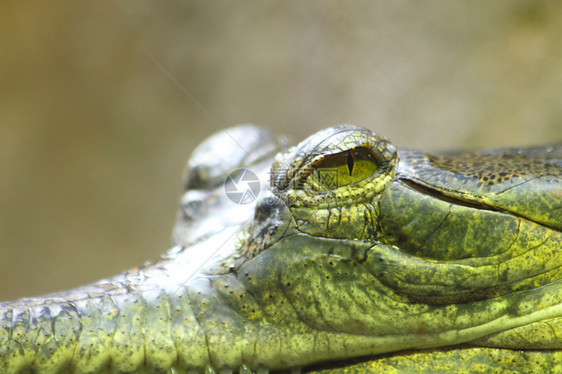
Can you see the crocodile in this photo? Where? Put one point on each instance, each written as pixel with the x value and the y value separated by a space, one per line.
pixel 342 254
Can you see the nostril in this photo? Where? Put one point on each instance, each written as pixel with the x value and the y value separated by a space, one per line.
pixel 192 204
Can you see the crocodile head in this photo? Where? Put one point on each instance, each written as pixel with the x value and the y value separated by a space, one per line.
pixel 342 247
pixel 356 248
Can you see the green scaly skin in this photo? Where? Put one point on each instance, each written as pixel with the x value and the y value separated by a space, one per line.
pixel 357 257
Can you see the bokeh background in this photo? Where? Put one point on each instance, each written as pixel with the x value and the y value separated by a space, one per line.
pixel 96 121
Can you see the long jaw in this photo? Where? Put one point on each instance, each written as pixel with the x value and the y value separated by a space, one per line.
pixel 283 284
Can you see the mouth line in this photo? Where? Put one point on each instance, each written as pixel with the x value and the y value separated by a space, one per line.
pixel 426 190
pixel 443 196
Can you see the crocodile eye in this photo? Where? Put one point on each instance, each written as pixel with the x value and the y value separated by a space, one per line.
pixel 342 169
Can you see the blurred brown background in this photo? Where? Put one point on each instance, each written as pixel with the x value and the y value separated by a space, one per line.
pixel 94 135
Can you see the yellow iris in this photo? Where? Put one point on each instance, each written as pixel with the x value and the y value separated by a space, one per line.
pixel 345 168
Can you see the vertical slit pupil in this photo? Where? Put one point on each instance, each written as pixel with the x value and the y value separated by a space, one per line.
pixel 349 162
